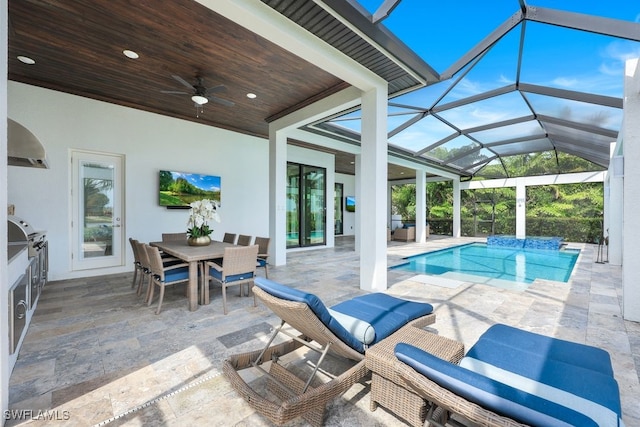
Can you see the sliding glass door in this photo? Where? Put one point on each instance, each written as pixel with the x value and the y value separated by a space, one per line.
pixel 306 205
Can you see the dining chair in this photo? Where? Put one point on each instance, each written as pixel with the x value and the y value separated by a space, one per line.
pixel 137 268
pixel 145 268
pixel 263 254
pixel 169 237
pixel 238 267
pixel 164 275
pixel 244 240
pixel 229 238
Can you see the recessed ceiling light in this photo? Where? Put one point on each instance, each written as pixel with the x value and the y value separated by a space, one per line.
pixel 130 54
pixel 352 163
pixel 252 95
pixel 26 60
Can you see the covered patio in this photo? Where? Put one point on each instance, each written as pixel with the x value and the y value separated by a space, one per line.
pixel 104 358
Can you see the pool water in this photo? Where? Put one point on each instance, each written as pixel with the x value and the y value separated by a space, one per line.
pixel 519 265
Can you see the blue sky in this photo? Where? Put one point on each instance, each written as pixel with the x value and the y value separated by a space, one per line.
pixel 205 182
pixel 441 32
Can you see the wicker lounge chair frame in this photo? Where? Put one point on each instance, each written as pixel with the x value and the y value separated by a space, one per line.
pixel 299 399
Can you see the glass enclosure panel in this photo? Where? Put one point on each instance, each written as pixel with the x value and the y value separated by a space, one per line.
pixel 522 147
pixel 576 111
pixel 496 109
pixel 529 128
pixel 97 209
pixel 421 134
pixel 452 148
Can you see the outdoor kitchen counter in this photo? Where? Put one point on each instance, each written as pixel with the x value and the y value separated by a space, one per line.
pixel 14 250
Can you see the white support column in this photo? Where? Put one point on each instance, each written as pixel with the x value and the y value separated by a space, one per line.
pixel 521 208
pixel 421 206
pixel 456 207
pixel 613 204
pixel 373 196
pixel 631 193
pixel 278 196
pixel 358 230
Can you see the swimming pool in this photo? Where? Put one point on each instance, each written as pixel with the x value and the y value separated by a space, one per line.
pixel 520 265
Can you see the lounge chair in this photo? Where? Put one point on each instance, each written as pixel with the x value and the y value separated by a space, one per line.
pixel 345 330
pixel 512 377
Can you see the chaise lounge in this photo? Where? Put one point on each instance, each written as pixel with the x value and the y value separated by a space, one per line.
pixel 512 377
pixel 345 330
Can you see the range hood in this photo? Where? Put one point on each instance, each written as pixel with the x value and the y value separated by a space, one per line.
pixel 23 148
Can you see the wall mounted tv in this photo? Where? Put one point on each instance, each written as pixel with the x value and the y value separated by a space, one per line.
pixel 350 204
pixel 178 189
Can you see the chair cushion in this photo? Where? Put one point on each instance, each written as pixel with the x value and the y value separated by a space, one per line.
pixel 490 394
pixel 361 330
pixel 233 278
pixel 576 354
pixel 261 262
pixel 176 274
pixel 538 365
pixel 385 313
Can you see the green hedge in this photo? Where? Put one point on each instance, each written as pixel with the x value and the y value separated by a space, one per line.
pixel 580 230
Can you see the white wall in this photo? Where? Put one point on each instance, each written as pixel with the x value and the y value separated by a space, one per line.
pixel 349 218
pixel 149 142
pixel 4 286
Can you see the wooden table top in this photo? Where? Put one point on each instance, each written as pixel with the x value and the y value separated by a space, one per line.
pixel 180 249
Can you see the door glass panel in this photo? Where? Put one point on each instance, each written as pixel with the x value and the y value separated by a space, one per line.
pixel 306 205
pixel 314 207
pixel 337 206
pixel 293 202
pixel 97 215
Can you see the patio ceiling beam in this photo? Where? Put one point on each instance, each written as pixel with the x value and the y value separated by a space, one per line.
pixel 607 101
pixel 590 23
pixel 485 44
pixel 578 126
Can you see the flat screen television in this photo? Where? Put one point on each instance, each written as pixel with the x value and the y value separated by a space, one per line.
pixel 350 204
pixel 178 189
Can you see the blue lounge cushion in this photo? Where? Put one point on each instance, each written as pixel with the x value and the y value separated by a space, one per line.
pixel 261 262
pixel 490 394
pixel 553 348
pixel 384 313
pixel 538 366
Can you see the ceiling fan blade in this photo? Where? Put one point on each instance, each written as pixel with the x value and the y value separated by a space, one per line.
pixel 183 81
pixel 221 101
pixel 176 92
pixel 216 89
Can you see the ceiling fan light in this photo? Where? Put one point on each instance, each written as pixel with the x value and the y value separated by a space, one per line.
pixel 200 100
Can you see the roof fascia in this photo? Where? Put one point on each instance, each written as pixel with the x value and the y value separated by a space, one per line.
pixel 381 37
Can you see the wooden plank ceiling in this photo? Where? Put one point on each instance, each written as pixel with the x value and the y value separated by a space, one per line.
pixel 78 48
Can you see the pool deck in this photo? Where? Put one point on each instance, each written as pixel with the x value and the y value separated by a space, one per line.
pixel 95 350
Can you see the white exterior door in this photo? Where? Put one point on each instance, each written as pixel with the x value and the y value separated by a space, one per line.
pixel 97 225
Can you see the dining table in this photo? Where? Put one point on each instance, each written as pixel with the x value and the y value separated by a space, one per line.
pixel 194 255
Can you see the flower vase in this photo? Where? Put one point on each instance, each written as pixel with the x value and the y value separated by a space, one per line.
pixel 199 241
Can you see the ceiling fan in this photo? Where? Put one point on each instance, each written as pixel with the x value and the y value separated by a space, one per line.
pixel 200 94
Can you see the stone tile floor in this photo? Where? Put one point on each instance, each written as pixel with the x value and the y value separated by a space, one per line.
pixel 96 355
